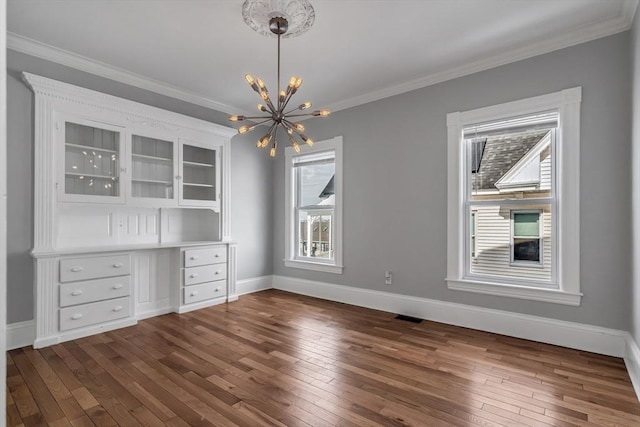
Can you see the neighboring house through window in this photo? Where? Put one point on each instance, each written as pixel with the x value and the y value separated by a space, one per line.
pixel 510 165
pixel 314 202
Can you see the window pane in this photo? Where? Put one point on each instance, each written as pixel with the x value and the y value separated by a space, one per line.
pixel 526 224
pixel 315 234
pixel 316 185
pixel 526 250
pixel 91 161
pixel 505 165
pixel 496 253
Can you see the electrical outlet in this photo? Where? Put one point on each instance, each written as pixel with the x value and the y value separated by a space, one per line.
pixel 388 278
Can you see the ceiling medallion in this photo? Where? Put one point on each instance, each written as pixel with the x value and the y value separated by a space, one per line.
pixel 280 18
pixel 299 14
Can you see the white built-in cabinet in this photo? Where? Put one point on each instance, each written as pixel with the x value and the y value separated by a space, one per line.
pixel 131 212
pixel 104 163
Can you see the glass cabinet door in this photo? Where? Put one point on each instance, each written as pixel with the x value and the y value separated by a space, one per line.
pixel 199 174
pixel 152 168
pixel 91 162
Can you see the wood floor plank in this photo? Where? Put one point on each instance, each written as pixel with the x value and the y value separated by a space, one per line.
pixel 279 359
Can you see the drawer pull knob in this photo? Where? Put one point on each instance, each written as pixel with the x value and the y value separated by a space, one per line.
pixel 217 289
pixel 194 275
pixel 76 269
pixel 217 255
pixel 117 308
pixel 118 265
pixel 194 293
pixel 76 317
pixel 195 257
pixel 77 292
pixel 118 286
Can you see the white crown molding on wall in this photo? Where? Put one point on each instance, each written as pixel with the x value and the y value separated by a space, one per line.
pixel 60 56
pixel 622 22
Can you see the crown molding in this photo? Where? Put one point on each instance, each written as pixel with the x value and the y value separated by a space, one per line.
pixel 620 23
pixel 60 56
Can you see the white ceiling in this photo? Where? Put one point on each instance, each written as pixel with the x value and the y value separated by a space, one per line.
pixel 357 51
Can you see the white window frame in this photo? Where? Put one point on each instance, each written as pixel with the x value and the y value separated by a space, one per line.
pixel 566 290
pixel 512 236
pixel 291 258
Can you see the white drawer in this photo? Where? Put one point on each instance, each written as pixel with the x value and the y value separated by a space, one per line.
pixel 205 291
pixel 214 255
pixel 96 312
pixel 206 273
pixel 94 290
pixel 74 269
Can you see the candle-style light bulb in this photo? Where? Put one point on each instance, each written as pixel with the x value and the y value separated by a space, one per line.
pixel 262 108
pixel 307 140
pixel 244 129
pixel 305 106
pixel 236 118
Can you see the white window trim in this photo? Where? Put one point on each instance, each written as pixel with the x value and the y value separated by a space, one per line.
pixel 334 144
pixel 567 102
pixel 540 238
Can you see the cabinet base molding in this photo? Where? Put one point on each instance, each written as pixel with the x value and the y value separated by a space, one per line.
pixel 153 313
pixel 203 304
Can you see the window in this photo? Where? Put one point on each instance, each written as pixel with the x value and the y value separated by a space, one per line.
pixel 526 241
pixel 511 167
pixel 314 202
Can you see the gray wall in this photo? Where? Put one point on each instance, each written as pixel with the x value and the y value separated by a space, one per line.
pixel 635 144
pixel 395 181
pixel 251 195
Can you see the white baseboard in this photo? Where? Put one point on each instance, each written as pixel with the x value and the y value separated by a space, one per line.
pixel 21 334
pixel 595 339
pixel 255 284
pixel 632 360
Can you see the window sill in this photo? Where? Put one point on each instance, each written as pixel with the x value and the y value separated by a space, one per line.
pixel 315 266
pixel 554 296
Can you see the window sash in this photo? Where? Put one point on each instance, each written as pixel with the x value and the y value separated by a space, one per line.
pixel 323 158
pixel 508 203
pixel 298 238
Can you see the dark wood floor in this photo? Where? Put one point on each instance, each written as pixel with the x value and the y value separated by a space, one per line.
pixel 275 358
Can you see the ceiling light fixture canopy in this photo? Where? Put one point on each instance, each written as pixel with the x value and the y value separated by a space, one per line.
pixel 277 18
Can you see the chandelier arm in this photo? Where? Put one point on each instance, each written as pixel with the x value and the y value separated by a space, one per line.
pixel 258 117
pixel 255 125
pixel 286 101
pixel 270 104
pixel 299 115
pixel 292 126
pixel 292 110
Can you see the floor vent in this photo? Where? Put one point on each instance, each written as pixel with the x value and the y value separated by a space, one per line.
pixel 408 318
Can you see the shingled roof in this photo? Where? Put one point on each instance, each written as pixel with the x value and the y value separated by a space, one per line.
pixel 498 155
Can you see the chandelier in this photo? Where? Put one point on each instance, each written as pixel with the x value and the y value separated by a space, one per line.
pixel 278 17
